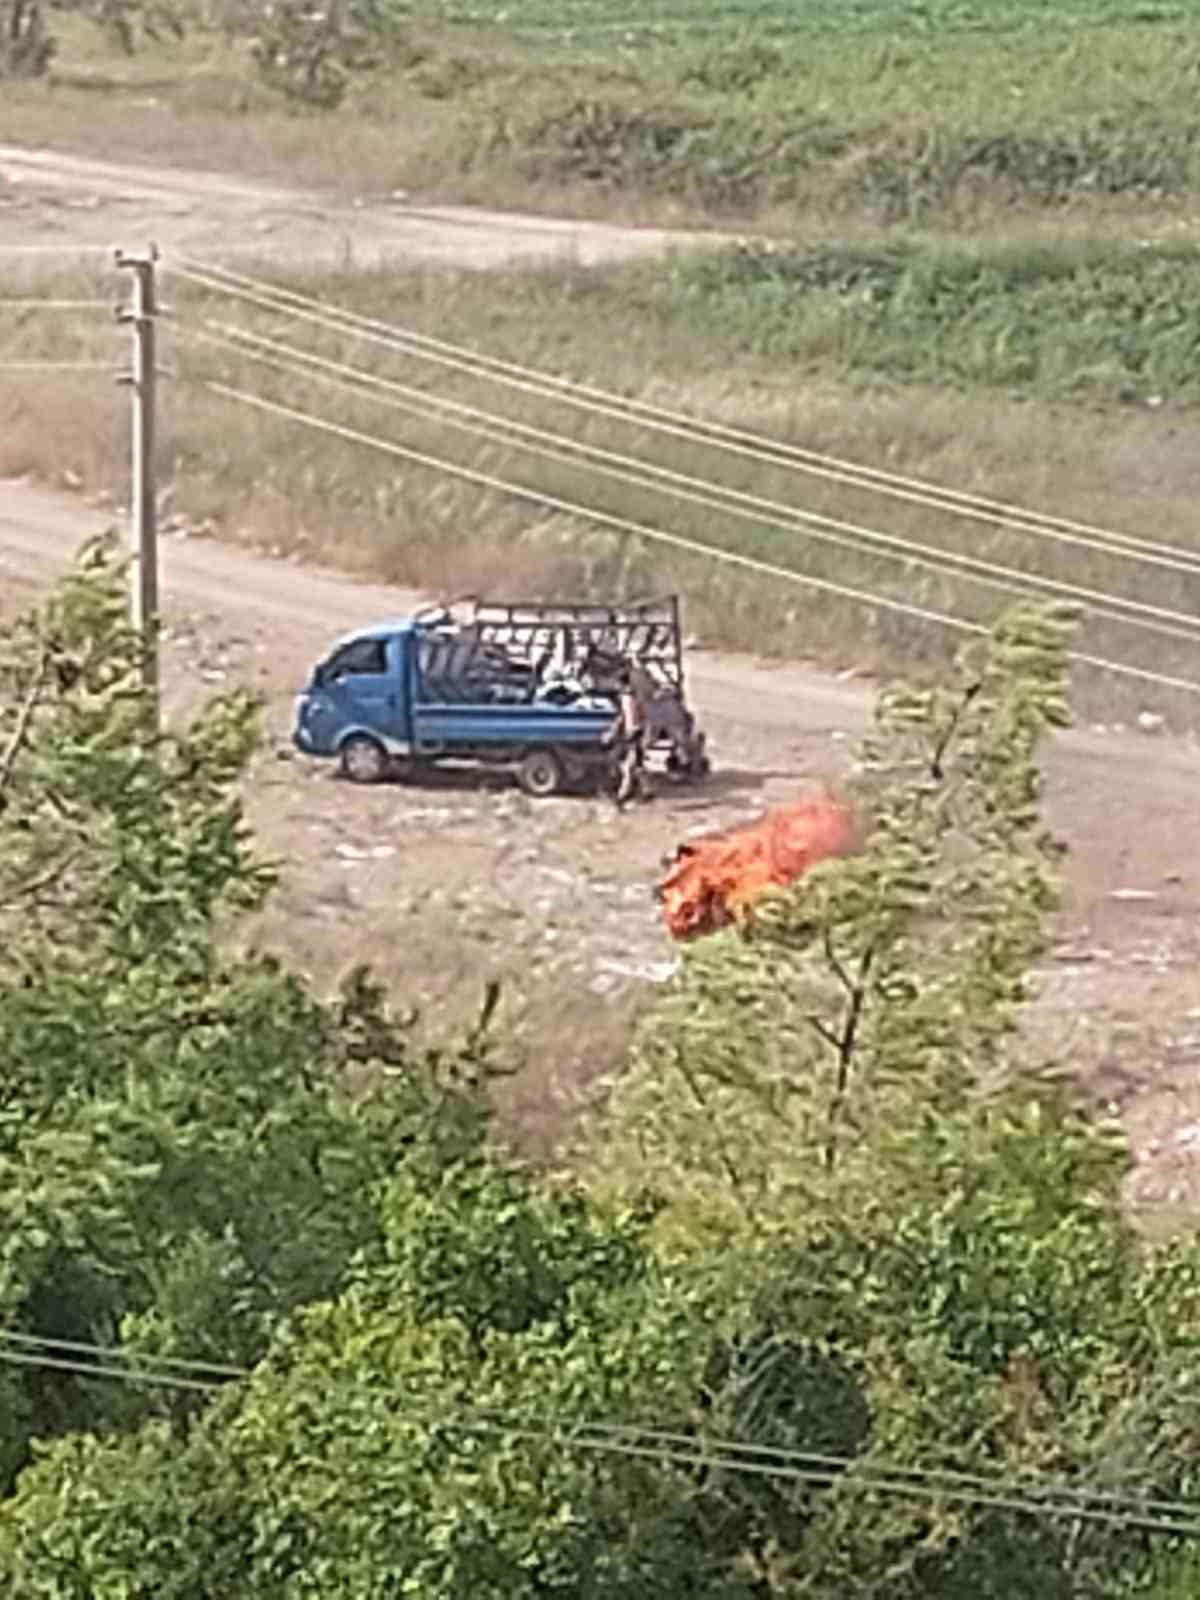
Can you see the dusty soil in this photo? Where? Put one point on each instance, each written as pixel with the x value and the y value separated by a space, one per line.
pixel 54 202
pixel 442 887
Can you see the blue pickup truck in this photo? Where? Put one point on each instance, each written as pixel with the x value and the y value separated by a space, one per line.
pixel 531 687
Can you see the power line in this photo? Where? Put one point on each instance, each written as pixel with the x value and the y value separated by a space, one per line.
pixel 420 407
pixel 697 430
pixel 1175 624
pixel 58 366
pixel 678 541
pixel 83 1347
pixel 55 250
pixel 830 1464
pixel 1030 1497
pixel 850 1473
pixel 54 305
pixel 742 442
pixel 165 1380
pixel 621 524
pixel 1040 1488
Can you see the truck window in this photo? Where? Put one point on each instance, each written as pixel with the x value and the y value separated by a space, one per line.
pixel 360 656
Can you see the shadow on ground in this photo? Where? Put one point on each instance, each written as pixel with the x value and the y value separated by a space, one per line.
pixel 729 783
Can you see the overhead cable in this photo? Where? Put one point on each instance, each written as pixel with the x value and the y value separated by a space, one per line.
pixel 1039 1498
pixel 713 495
pixel 757 447
pixel 677 541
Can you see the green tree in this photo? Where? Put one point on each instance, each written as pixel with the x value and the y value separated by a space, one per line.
pixel 920 1238
pixel 451 1424
pixel 891 977
pixel 311 53
pixel 188 1138
pixel 409 1438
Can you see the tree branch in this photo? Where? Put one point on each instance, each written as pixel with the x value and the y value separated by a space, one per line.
pixel 34 886
pixel 24 719
pixel 845 1049
pixel 939 750
pixel 836 964
pixel 824 1031
pixel 726 1160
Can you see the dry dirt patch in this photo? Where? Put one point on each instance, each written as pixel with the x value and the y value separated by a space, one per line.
pixel 447 885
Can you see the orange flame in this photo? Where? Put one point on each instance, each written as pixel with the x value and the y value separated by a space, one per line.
pixel 717 878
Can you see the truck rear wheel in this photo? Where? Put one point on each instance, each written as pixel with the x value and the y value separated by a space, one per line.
pixel 540 774
pixel 364 760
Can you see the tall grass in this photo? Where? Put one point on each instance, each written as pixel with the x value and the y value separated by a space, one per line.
pixel 603 21
pixel 919 384
pixel 1086 318
pixel 66 420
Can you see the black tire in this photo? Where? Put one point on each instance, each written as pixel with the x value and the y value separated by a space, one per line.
pixel 363 759
pixel 540 774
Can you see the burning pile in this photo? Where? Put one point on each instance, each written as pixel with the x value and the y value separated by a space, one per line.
pixel 715 879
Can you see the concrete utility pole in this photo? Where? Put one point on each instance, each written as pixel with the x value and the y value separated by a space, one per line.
pixel 141 315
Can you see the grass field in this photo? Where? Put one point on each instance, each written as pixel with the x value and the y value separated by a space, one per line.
pixel 882 112
pixel 920 19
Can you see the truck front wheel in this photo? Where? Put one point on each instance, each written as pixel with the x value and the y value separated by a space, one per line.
pixel 364 760
pixel 540 774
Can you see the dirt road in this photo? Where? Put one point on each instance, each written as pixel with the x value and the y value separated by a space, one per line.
pixel 50 201
pixel 442 887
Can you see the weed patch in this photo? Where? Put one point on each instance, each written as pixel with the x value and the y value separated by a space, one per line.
pixel 1082 319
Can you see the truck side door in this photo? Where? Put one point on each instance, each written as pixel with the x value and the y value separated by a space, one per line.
pixel 365 680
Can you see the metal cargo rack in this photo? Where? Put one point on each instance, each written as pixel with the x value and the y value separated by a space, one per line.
pixel 565 651
pixel 588 636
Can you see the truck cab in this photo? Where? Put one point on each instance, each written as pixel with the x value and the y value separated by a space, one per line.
pixel 399 694
pixel 357 703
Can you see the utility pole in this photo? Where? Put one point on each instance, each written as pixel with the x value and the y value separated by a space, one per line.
pixel 141 316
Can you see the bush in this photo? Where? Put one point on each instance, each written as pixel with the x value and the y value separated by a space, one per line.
pixel 183 1154
pixel 310 52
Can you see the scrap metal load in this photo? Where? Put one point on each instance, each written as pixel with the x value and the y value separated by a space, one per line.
pixel 716 879
pixel 568 654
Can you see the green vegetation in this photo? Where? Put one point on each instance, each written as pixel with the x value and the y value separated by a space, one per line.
pixel 829 1208
pixel 584 20
pixel 863 1236
pixel 940 133
pixel 886 111
pixel 187 1137
pixel 1084 319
